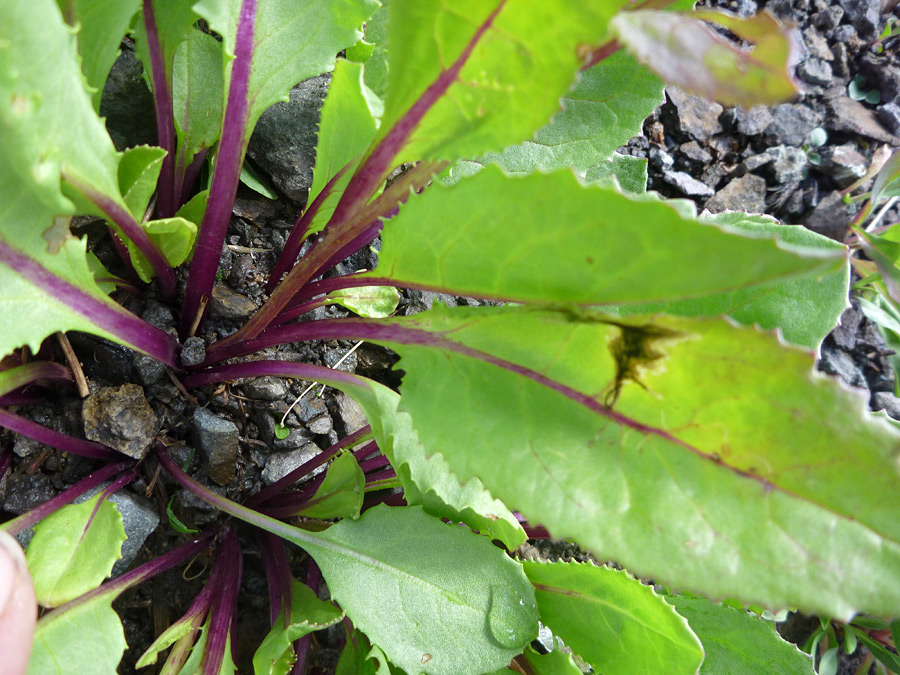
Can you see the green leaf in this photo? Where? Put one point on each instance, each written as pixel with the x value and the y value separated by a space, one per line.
pixel 605 108
pixel 359 657
pixel 257 182
pixel 341 493
pixel 138 172
pixel 609 618
pixel 428 481
pixel 175 237
pixel 280 59
pixel 688 53
pixel 101 25
pixel 85 639
pixel 738 642
pixel 195 662
pixel 435 598
pixel 886 255
pixel 656 254
pixel 184 626
pixel 556 662
pixel 510 84
pixel 74 549
pixel 743 495
pixel 806 309
pixel 346 128
pixel 197 94
pixel 373 302
pixel 175 21
pixel 275 656
pixel 630 172
pixel 177 524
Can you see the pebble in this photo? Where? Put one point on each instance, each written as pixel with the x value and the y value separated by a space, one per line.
pixel 889 116
pixel 193 352
pixel 788 164
pixel 863 14
pixel 884 400
pixel 844 164
pixel 746 193
pixel 217 439
pixel 148 370
pixel 845 114
pixel 815 71
pixel 687 184
pixel 159 316
pixel 280 464
pixel 837 362
pixel 228 304
pixel 697 117
pixel 830 217
pixel 121 418
pixel 266 388
pixel 751 121
pixel 829 18
pixel 321 425
pixel 792 123
pixel 351 414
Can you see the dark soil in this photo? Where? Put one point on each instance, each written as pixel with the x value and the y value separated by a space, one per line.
pixel 758 160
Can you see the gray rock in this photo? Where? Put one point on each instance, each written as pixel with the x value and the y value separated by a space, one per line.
pixel 881 75
pixel 228 304
pixel 844 334
pixel 697 117
pixel 310 408
pixel 792 123
pixel 148 370
pixel 333 358
pixel 193 352
pixel 102 359
pixel 884 400
pixel 265 388
pixel 788 164
pixel 815 71
pixel 218 440
pixel 747 193
pixel 24 491
pixel 829 18
pixel 863 14
pixel 27 447
pixel 351 414
pixel 889 116
pixel 127 104
pixel 830 217
pixel 840 64
pixel 297 438
pixel 844 164
pixel 121 418
pixel 817 45
pixel 139 519
pixel 837 362
pixel 280 464
pixel 321 425
pixel 753 162
pixel 420 301
pixel 284 140
pixel 694 153
pixel 660 159
pixel 845 114
pixel 687 184
pixel 159 316
pixel 752 121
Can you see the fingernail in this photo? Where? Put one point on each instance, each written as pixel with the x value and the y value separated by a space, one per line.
pixel 12 568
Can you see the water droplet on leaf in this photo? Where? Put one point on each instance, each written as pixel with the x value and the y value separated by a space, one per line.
pixel 512 618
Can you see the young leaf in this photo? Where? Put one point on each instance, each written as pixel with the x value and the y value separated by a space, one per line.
pixel 174 237
pixel 806 309
pixel 674 481
pixel 138 174
pixel 13 378
pixel 359 657
pixel 522 258
pixel 89 639
pixel 687 53
pixel 74 549
pixel 374 302
pixel 556 662
pixel 738 642
pixel 605 108
pixel 341 493
pixel 485 74
pixel 275 655
pixel 608 618
pixel 100 26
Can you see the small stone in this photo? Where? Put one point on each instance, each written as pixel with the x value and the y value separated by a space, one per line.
pixel 753 162
pixel 815 71
pixel 310 408
pixel 889 116
pixel 837 362
pixel 121 418
pixel 27 447
pixel 159 316
pixel 218 440
pixel 266 388
pixel 884 400
pixel 845 34
pixel 840 64
pixel 351 414
pixel 844 164
pixel 660 159
pixel 296 438
pixel 844 334
pixel 148 370
pixel 24 491
pixel 193 352
pixel 845 114
pixel 747 193
pixel 830 217
pixel 127 104
pixel 321 425
pixel 753 121
pixel 788 164
pixel 817 45
pixel 280 464
pixel 863 14
pixel 792 123
pixel 697 117
pixel 687 184
pixel 228 304
pixel 829 18
pixel 695 153
pixel 341 359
